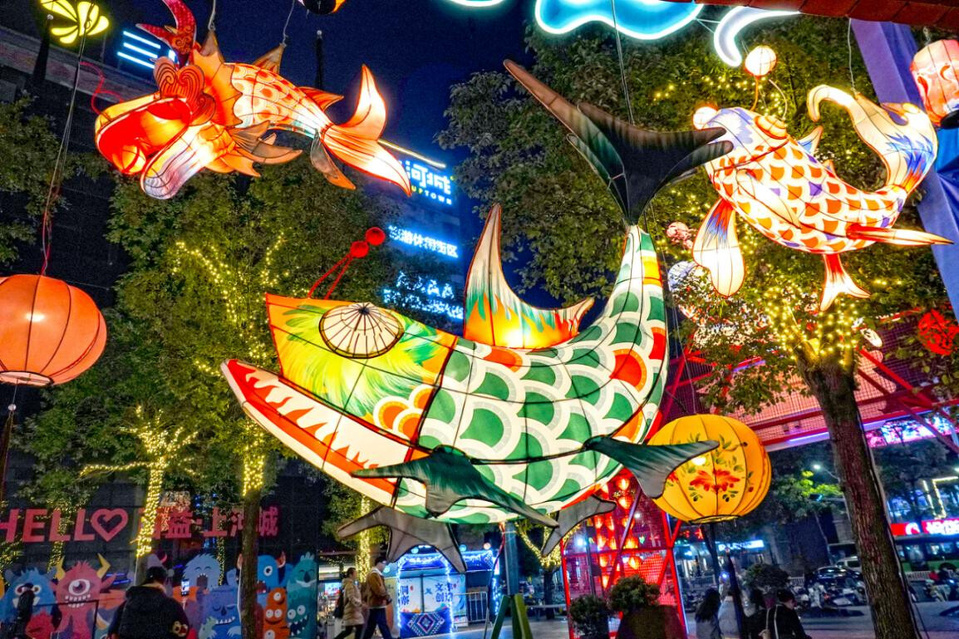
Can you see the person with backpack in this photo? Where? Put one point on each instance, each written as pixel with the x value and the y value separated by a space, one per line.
pixel 377 599
pixel 148 613
pixel 782 622
pixel 349 606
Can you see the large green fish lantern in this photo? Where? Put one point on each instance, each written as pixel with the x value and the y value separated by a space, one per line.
pixel 441 429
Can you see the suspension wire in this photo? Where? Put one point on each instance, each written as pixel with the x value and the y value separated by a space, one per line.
pixel 59 165
pixel 852 75
pixel 211 23
pixel 288 16
pixel 622 64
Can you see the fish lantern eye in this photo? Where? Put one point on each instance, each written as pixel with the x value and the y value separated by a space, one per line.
pixel 360 331
pixel 772 126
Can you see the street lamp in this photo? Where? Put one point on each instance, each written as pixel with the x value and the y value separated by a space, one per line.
pixel 819 468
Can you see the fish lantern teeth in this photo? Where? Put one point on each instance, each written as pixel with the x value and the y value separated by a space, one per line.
pixel 360 331
pixel 703 115
pixel 760 62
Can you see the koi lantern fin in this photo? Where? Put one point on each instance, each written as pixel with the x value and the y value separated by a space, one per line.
pixel 900 237
pixel 179 38
pixel 634 163
pixel 356 142
pixel 838 282
pixel 407 532
pixel 810 142
pixel 717 249
pixel 270 61
pixel 450 477
pixel 651 465
pixel 324 164
pixel 322 98
pixel 573 516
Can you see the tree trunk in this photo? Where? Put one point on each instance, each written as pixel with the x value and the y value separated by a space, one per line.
pixel 548 592
pixel 248 569
pixel 833 387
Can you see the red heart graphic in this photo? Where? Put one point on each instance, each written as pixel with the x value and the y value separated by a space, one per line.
pixel 101 522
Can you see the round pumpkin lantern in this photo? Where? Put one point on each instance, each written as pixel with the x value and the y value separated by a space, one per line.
pixel 723 484
pixel 50 332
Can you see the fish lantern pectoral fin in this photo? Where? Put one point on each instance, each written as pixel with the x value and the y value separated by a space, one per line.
pixel 651 465
pixel 450 477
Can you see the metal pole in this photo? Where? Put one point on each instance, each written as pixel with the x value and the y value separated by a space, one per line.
pixel 510 558
pixel 318 82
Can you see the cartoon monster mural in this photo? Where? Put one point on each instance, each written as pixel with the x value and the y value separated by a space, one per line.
pixel 274 616
pixel 301 589
pixel 269 575
pixel 78 592
pixel 44 602
pixel 221 618
pixel 201 573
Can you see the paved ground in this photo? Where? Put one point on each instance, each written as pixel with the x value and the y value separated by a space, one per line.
pixel 938 627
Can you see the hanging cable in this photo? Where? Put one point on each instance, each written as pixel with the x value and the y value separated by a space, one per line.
pixel 59 165
pixel 210 25
pixel 288 16
pixel 852 76
pixel 622 64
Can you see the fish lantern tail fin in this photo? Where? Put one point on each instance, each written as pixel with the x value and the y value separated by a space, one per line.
pixel 634 163
pixel 899 237
pixel 356 141
pixel 838 282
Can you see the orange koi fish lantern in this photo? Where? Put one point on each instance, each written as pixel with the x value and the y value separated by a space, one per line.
pixel 777 185
pixel 322 7
pixel 723 484
pixel 934 70
pixel 50 332
pixel 211 114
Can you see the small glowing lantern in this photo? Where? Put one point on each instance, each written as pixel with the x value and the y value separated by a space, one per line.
pixel 50 332
pixel 723 484
pixel 760 62
pixel 934 70
pixel 85 19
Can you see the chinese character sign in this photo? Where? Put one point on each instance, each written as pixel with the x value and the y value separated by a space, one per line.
pixel 424 294
pixel 428 183
pixel 426 243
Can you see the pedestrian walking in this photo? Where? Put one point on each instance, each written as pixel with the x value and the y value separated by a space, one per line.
pixel 782 622
pixel 756 619
pixel 707 616
pixel 22 615
pixel 352 611
pixel 148 613
pixel 377 599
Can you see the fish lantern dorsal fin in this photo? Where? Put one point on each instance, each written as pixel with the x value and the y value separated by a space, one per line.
pixel 496 316
pixel 270 61
pixel 810 141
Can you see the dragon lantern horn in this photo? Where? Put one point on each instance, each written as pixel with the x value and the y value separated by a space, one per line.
pixel 104 566
pixel 179 38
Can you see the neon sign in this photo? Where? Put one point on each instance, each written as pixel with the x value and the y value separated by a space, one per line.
pixel 141 50
pixel 639 19
pixel 902 431
pixel 424 242
pixel 428 183
pixel 424 294
pixel 944 527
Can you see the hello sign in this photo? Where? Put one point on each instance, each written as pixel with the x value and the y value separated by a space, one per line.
pixel 40 525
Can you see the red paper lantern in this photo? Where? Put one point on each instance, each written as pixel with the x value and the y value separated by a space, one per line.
pixel 50 332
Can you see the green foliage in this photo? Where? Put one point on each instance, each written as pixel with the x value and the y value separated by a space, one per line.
pixel 590 616
pixel 766 577
pixel 193 298
pixel 565 233
pixel 632 593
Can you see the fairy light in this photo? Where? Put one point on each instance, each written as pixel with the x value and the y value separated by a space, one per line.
pixel 160 448
pixel 364 543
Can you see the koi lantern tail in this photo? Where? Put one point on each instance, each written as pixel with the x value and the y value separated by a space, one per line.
pixel 838 282
pixel 356 142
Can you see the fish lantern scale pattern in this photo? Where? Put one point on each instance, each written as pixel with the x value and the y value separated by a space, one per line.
pixel 721 485
pixel 934 70
pixel 50 332
pixel 775 183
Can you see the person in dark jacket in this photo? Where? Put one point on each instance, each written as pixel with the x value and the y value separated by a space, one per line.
pixel 783 620
pixel 707 616
pixel 148 613
pixel 756 620
pixel 21 619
